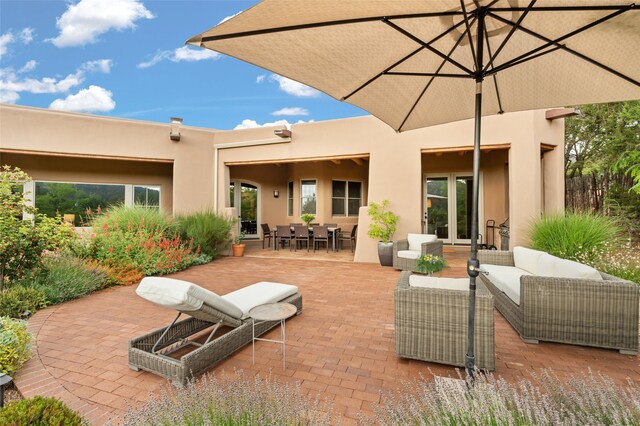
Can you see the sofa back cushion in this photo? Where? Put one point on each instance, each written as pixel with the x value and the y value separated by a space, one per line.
pixel 552 266
pixel 416 240
pixel 528 259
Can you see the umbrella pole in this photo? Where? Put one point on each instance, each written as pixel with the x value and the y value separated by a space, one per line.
pixel 472 264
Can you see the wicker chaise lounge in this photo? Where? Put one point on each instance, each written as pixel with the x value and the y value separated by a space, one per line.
pixel 599 311
pixel 406 252
pixel 431 323
pixel 156 351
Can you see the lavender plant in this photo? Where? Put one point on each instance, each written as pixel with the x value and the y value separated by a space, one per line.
pixel 231 401
pixel 588 399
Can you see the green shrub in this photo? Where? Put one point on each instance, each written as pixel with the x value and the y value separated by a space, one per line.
pixel 65 278
pixel 22 242
pixel 231 401
pixel 581 400
pixel 383 222
pixel 206 229
pixel 622 262
pixel 15 345
pixel 20 302
pixel 123 217
pixel 40 411
pixel 576 236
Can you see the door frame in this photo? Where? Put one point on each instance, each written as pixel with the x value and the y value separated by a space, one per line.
pixel 237 183
pixel 451 195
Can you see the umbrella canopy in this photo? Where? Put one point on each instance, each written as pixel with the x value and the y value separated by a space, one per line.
pixel 417 63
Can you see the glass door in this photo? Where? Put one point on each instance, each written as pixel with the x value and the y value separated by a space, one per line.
pixel 245 197
pixel 448 206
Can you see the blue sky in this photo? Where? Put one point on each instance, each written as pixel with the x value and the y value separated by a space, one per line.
pixel 127 58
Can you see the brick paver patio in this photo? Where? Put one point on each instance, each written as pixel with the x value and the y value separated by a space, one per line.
pixel 341 345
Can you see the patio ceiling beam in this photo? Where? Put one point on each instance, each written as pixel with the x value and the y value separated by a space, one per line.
pixel 336 161
pixel 358 161
pixel 333 158
pixel 554 114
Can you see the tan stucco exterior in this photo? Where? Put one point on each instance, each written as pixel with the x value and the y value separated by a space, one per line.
pixel 517 181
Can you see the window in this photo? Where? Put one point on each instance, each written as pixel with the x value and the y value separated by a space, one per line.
pixel 75 199
pixel 308 196
pixel 146 196
pixel 346 198
pixel 290 198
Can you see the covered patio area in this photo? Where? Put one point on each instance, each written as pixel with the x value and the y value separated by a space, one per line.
pixel 341 346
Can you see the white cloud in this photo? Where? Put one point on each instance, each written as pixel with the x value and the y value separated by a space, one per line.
pixel 93 99
pixel 252 124
pixel 291 111
pixel 229 17
pixel 184 53
pixel 82 23
pixel 29 66
pixel 11 84
pixel 293 87
pixel 25 36
pixel 260 78
pixel 100 65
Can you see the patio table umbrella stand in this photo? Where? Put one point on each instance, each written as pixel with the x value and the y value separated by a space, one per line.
pixel 415 63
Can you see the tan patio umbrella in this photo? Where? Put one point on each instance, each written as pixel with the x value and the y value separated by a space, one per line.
pixel 417 63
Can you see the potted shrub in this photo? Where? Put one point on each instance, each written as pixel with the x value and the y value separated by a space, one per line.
pixel 307 218
pixel 383 226
pixel 430 263
pixel 238 246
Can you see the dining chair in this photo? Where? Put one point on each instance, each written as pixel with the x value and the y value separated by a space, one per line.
pixel 320 234
pixel 301 233
pixel 295 223
pixel 283 233
pixel 266 233
pixel 331 225
pixel 349 236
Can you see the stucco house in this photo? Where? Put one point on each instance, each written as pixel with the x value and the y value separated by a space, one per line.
pixel 332 169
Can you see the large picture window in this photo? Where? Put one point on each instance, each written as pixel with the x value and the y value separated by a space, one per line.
pixel 290 199
pixel 74 201
pixel 346 198
pixel 308 196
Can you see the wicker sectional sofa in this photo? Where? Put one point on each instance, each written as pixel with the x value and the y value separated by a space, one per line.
pixel 407 251
pixel 431 323
pixel 551 299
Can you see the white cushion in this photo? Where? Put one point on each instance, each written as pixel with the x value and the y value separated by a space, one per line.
pixel 260 293
pixel 424 281
pixel 527 259
pixel 552 266
pixel 506 279
pixel 416 240
pixel 409 254
pixel 183 296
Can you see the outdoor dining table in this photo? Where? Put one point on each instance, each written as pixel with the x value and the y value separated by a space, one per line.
pixel 335 231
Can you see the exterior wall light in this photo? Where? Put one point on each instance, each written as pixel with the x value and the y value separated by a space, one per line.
pixel 276 193
pixel 174 134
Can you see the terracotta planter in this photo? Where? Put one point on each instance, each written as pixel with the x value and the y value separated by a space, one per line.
pixel 238 249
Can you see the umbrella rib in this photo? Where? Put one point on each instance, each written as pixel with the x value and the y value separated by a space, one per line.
pixel 506 39
pixel 558 40
pixel 427 74
pixel 511 64
pixel 207 39
pixel 466 23
pixel 566 49
pixel 495 78
pixel 564 8
pixel 372 79
pixel 431 81
pixel 447 58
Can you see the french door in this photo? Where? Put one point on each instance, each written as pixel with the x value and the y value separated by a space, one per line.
pixel 447 206
pixel 245 196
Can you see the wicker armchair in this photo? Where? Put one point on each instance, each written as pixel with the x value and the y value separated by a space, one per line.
pixel 433 247
pixel 601 313
pixel 431 324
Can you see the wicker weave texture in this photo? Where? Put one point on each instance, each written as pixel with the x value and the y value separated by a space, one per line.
pixel 200 359
pixel 435 248
pixel 596 313
pixel 431 325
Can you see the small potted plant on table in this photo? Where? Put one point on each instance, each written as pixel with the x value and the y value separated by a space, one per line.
pixel 307 218
pixel 383 226
pixel 238 246
pixel 429 263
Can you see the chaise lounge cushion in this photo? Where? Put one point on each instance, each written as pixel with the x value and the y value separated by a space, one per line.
pixel 416 240
pixel 183 296
pixel 423 281
pixel 506 279
pixel 260 293
pixel 409 254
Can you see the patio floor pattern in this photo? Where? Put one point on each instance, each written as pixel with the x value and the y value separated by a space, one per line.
pixel 341 346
